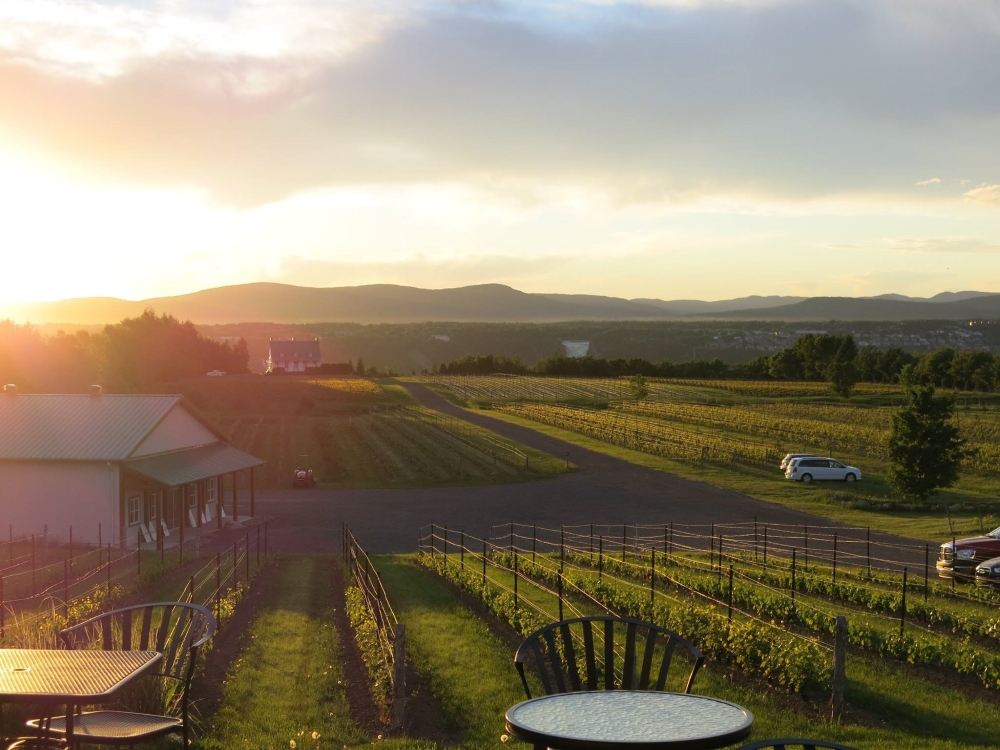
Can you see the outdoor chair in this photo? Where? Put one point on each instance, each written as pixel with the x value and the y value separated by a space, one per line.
pixel 603 653
pixel 36 743
pixel 794 743
pixel 177 630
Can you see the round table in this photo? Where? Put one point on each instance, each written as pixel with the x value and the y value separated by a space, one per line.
pixel 629 720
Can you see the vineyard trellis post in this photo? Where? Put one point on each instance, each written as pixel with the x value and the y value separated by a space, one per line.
pixel 109 573
pixel 66 587
pixel 534 540
pixel 720 558
pixel 806 541
pixel 902 609
pixel 793 579
pixel 927 554
pixel 671 545
pixel 834 557
pixel 515 579
pixel 664 539
pixel 560 591
pixel 484 563
pixel 444 544
pixel 624 540
pixel 652 579
pixel 562 549
pixel 71 548
pixel 839 666
pixel 399 673
pixel 600 559
pixel 591 544
pixel 461 549
pixel 218 587
pixel 512 537
pixel 711 549
pixel 729 595
pixel 765 545
pixel 32 564
pixel 868 549
pixel 755 538
pixel 433 541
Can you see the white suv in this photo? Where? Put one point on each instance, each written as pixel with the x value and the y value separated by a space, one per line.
pixel 809 469
pixel 791 456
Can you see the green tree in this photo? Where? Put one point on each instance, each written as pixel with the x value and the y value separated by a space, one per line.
pixel 637 386
pixel 360 369
pixel 925 448
pixel 843 372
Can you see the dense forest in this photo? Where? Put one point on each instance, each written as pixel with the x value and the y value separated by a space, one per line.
pixel 836 359
pixel 136 355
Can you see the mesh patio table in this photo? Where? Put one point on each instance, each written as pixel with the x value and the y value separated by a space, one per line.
pixel 629 720
pixel 52 677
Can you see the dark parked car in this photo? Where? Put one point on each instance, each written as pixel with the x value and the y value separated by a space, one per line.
pixel 959 560
pixel 988 573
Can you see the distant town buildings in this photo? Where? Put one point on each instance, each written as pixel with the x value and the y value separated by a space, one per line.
pixel 576 348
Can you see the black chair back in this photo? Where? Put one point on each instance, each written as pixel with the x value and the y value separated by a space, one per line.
pixel 604 653
pixel 175 629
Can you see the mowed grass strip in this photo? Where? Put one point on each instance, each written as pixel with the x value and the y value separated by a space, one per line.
pixel 289 679
pixel 470 672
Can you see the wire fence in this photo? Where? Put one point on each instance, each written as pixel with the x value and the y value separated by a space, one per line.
pixel 391 632
pixel 36 603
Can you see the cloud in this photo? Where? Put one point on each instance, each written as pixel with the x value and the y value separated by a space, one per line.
pixel 645 102
pixel 945 245
pixel 931 181
pixel 987 195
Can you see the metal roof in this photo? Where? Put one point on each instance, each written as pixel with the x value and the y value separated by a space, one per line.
pixel 72 427
pixel 180 467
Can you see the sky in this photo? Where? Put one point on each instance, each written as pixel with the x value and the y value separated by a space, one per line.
pixel 669 148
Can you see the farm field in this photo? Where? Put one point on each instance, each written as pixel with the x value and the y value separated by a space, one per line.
pixel 355 432
pixel 729 434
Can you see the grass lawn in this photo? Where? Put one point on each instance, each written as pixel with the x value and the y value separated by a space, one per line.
pixel 288 682
pixel 469 670
pixel 771 486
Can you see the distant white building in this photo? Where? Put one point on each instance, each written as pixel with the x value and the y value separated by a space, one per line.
pixel 441 337
pixel 293 356
pixel 576 348
pixel 115 468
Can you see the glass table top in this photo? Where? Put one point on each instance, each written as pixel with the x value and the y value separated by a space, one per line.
pixel 629 717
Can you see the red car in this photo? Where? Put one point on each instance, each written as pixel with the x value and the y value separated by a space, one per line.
pixel 959 560
pixel 302 476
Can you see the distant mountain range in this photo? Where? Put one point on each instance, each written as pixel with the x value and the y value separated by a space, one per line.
pixel 387 303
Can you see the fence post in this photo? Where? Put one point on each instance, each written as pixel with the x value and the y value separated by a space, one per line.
pixel 66 588
pixel 600 559
pixel 664 539
pixel 461 548
pixel 720 558
pixel 218 587
pixel 109 573
pixel 729 596
pixel 484 563
pixel 806 527
pixel 433 541
pixel 624 540
pixel 652 577
pixel 445 545
pixel 755 538
pixel 515 579
pixel 927 554
pixel 835 558
pixel 670 551
pixel 839 672
pixel 562 548
pixel 591 544
pixel 711 549
pixel 902 611
pixel 765 545
pixel 560 582
pixel 511 536
pixel 868 549
pixel 399 674
pixel 793 578
pixel 534 540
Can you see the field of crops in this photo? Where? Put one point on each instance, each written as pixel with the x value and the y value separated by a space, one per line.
pixel 916 646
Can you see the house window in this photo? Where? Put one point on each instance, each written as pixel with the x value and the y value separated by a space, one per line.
pixel 149 512
pixel 210 484
pixel 171 507
pixel 134 510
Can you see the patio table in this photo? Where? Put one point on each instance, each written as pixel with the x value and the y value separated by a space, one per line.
pixel 53 677
pixel 629 720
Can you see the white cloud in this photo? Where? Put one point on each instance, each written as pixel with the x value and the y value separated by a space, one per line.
pixel 987 195
pixel 931 181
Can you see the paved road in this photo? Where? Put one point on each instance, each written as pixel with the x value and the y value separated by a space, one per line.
pixel 604 490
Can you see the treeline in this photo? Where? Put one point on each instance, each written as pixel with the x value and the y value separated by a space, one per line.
pixel 824 357
pixel 136 355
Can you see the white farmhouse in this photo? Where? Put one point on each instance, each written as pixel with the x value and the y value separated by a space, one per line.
pixel 115 468
pixel 293 356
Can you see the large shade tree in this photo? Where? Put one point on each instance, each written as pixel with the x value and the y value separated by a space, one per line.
pixel 925 448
